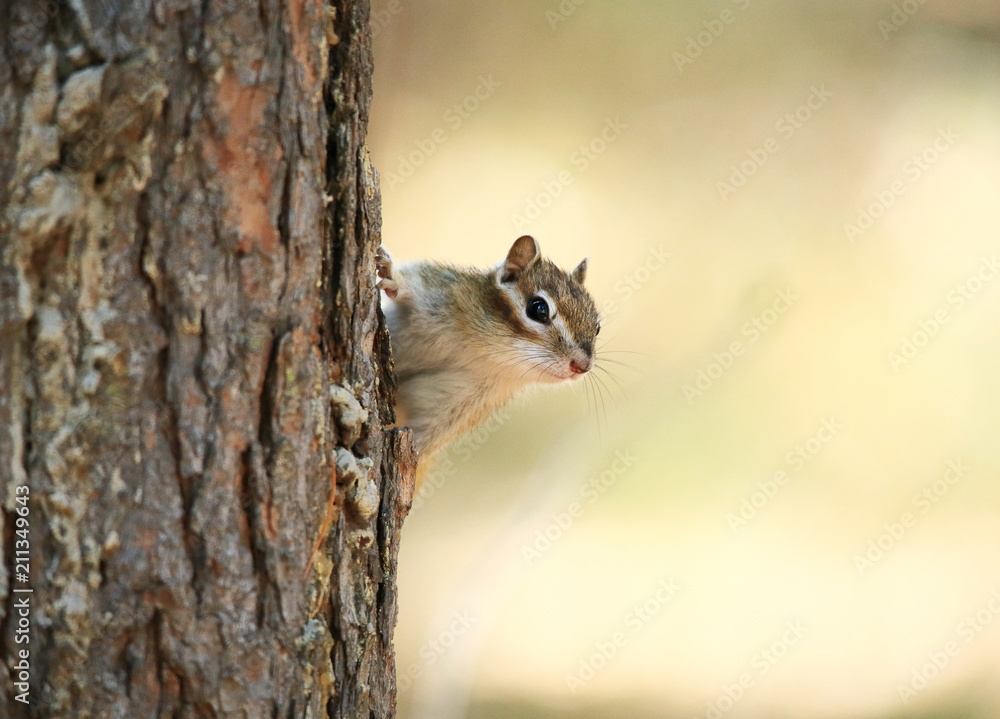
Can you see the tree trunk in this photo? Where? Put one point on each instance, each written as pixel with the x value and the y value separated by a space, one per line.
pixel 189 346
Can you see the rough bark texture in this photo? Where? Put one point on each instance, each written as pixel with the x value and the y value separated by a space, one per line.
pixel 189 345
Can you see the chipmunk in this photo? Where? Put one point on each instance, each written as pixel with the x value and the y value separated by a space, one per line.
pixel 464 340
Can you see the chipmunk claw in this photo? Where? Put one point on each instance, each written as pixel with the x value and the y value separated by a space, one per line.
pixel 383 267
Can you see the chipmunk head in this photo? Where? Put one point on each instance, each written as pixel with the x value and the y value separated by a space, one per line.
pixel 551 318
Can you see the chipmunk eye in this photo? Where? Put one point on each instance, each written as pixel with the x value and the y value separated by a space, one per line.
pixel 538 310
pixel 598 330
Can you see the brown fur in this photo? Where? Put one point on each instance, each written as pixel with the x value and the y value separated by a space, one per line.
pixel 462 345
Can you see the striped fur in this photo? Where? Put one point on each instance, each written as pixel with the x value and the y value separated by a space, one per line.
pixel 463 343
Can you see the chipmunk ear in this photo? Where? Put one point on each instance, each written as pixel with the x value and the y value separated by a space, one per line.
pixel 580 273
pixel 522 255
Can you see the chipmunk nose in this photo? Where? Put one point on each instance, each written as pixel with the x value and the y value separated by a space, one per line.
pixel 581 366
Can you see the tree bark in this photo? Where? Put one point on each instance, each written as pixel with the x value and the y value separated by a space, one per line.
pixel 194 375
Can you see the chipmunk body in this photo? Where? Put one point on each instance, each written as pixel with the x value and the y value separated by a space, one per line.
pixel 464 341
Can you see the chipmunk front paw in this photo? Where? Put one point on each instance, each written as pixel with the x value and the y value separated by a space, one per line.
pixel 383 267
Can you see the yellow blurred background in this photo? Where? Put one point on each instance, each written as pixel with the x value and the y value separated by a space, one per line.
pixel 779 497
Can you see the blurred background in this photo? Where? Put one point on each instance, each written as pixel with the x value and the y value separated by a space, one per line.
pixel 778 496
